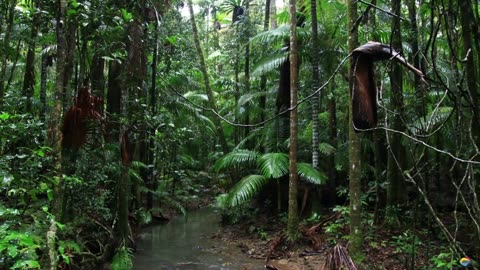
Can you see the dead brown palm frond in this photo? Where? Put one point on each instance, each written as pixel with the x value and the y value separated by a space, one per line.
pixel 76 121
pixel 337 258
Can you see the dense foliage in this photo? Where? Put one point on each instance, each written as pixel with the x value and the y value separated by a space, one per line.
pixel 112 113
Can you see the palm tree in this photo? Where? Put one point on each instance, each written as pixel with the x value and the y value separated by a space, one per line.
pixel 270 166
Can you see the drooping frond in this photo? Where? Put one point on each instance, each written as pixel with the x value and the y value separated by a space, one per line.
pixel 326 148
pixel 258 132
pixel 249 98
pixel 269 63
pixel 273 165
pixel 193 96
pixel 236 157
pixel 273 36
pixel 244 190
pixel 310 174
pixel 426 124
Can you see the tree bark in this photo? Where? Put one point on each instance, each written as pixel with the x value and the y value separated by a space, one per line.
pixel 354 148
pixel 292 226
pixel 396 157
pixel 56 134
pixel 315 85
pixel 10 16
pixel 29 75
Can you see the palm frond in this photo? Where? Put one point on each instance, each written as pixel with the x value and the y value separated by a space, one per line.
pixel 426 124
pixel 248 98
pixel 273 36
pixel 195 96
pixel 244 190
pixel 269 63
pixel 236 157
pixel 310 174
pixel 208 123
pixel 258 132
pixel 273 165
pixel 326 148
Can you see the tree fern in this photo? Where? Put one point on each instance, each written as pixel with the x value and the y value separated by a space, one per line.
pixel 244 190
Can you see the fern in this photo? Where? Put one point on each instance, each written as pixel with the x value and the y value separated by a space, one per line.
pixel 244 190
pixel 123 259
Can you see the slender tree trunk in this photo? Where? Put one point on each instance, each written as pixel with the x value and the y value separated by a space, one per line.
pixel 315 85
pixel 10 16
pixel 396 157
pixel 43 86
pixel 56 134
pixel 469 53
pixel 332 140
pixel 203 68
pixel 292 226
pixel 273 14
pixel 29 76
pixel 354 148
pixel 247 68
pixel 263 78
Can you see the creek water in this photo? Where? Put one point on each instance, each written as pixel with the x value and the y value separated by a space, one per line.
pixel 187 243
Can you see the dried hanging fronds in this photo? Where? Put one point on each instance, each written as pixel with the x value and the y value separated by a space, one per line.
pixel 75 124
pixel 364 92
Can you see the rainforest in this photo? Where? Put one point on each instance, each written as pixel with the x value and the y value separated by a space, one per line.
pixel 239 134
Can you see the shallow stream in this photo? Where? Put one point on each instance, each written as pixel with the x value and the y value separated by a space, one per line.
pixel 189 244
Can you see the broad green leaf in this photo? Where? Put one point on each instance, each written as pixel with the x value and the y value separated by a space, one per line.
pixel 274 165
pixel 245 189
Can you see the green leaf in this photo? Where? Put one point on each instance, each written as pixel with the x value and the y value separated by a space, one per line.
pixel 4 116
pixel 245 189
pixel 127 16
pixel 12 251
pixel 274 165
pixel 326 148
pixel 236 157
pixel 269 63
pixel 26 264
pixel 310 174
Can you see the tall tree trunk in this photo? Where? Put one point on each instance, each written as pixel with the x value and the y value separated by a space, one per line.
pixel 247 68
pixel 113 99
pixel 292 226
pixel 469 53
pixel 315 85
pixel 354 147
pixel 396 157
pixel 29 75
pixel 263 78
pixel 43 85
pixel 56 134
pixel 203 68
pixel 10 16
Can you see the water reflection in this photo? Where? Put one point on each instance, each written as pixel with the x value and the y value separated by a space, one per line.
pixel 187 243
